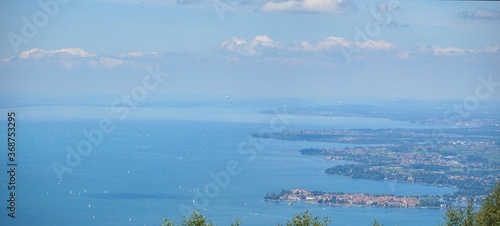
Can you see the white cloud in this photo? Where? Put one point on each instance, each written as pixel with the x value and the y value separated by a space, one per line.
pixel 329 43
pixel 264 40
pixel 439 51
pixel 309 6
pixel 74 58
pixel 261 43
pixel 6 60
pixel 137 54
pixel 67 58
pixel 332 43
pixel 41 53
pixel 255 47
pixel 447 51
pixel 489 49
pixel 375 45
pixel 263 46
pixel 132 54
pixel 233 44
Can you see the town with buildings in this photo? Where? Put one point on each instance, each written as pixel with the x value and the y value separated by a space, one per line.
pixel 465 158
pixel 345 199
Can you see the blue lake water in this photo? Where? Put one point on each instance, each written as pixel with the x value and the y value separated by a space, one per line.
pixel 149 167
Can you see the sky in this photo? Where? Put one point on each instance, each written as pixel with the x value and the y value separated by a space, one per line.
pixel 293 48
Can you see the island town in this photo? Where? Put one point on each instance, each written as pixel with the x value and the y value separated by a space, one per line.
pixel 353 199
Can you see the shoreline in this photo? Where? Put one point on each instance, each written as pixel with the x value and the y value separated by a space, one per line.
pixel 341 199
pixel 352 206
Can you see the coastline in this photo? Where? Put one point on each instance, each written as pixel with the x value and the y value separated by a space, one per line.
pixel 341 199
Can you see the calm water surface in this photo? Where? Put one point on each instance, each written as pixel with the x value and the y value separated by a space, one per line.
pixel 148 168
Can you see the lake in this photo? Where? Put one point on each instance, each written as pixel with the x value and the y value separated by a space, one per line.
pixel 159 161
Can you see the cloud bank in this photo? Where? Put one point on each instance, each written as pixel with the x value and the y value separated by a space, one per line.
pixel 262 44
pixel 310 6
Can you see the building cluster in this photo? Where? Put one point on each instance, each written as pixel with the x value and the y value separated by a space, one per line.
pixel 349 199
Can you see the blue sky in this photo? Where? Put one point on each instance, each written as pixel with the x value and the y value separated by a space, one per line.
pixel 328 48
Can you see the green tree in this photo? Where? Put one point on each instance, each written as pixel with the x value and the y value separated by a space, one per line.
pixel 470 215
pixel 489 214
pixel 375 223
pixel 454 216
pixel 461 216
pixel 196 220
pixel 236 223
pixel 306 219
pixel 166 222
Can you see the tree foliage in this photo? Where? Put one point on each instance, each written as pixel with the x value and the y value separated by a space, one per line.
pixel 166 222
pixel 306 219
pixel 488 215
pixel 375 223
pixel 196 219
pixel 460 216
pixel 302 219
